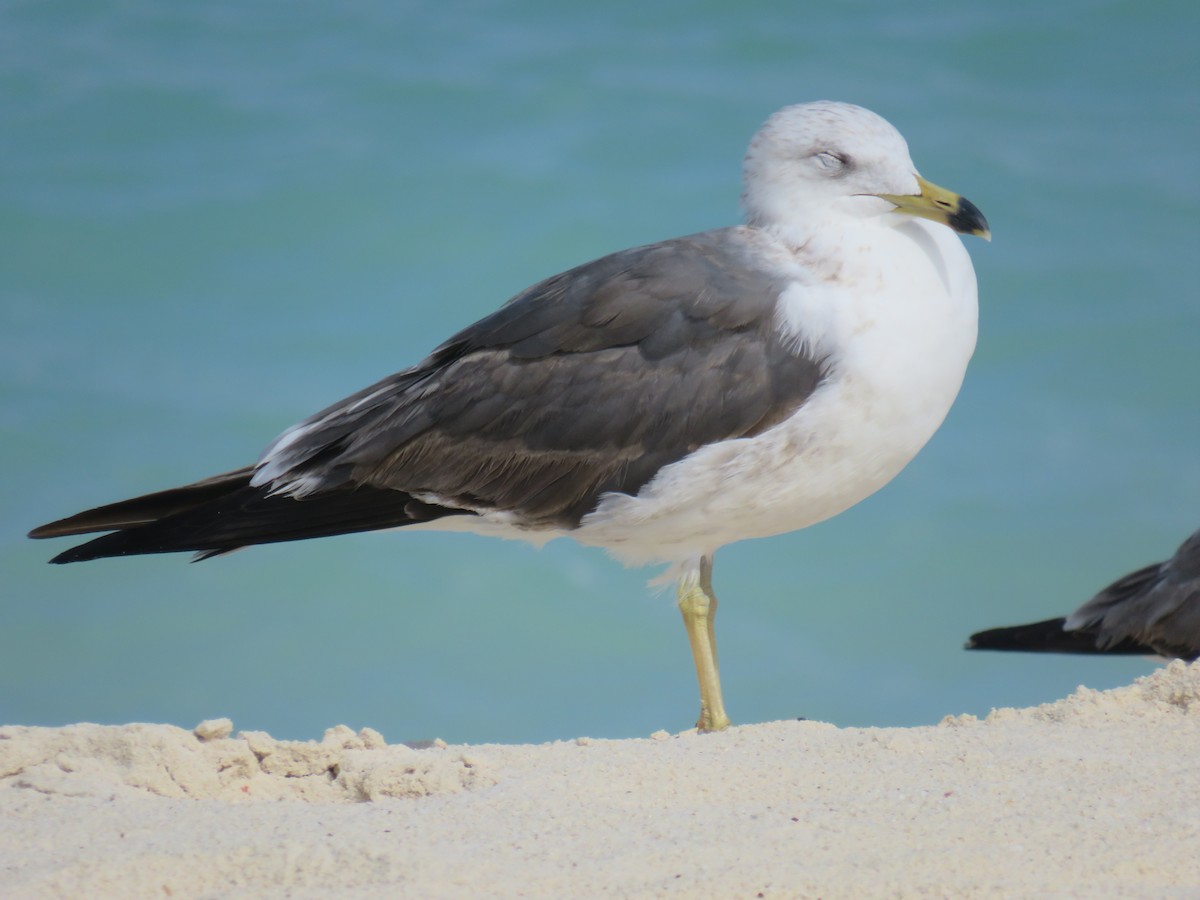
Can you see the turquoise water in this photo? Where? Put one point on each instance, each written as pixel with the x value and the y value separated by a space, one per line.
pixel 218 217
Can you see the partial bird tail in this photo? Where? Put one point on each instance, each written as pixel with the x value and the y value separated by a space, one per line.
pixel 1050 637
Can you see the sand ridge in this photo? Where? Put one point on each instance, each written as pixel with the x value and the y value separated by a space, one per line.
pixel 206 763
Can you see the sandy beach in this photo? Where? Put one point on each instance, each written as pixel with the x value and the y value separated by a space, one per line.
pixel 1096 795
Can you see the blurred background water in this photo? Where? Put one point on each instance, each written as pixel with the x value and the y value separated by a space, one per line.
pixel 216 218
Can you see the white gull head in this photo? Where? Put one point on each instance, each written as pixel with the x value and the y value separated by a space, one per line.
pixel 819 161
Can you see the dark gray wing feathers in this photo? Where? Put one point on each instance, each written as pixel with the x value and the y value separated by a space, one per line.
pixel 588 382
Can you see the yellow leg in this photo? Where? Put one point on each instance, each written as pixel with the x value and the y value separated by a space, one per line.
pixel 698 604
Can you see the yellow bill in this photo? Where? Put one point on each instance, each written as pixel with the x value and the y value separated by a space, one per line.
pixel 940 205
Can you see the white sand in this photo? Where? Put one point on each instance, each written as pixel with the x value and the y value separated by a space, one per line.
pixel 1097 795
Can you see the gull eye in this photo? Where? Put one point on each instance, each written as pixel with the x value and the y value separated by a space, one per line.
pixel 832 162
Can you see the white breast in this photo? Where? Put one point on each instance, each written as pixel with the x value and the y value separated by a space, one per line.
pixel 897 323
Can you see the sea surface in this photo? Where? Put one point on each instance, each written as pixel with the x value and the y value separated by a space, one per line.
pixel 218 217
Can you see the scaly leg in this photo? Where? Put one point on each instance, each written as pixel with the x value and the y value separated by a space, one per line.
pixel 698 604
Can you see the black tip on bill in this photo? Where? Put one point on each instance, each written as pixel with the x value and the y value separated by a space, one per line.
pixel 967 219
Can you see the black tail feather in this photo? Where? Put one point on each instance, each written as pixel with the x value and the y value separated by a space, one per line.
pixel 1049 637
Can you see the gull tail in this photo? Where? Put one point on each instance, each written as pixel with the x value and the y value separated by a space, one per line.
pixel 225 512
pixel 1050 637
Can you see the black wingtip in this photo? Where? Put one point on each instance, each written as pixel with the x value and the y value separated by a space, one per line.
pixel 1050 636
pixel 1047 636
pixel 98 548
pixel 57 528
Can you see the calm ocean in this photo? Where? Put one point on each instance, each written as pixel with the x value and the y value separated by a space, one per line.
pixel 218 217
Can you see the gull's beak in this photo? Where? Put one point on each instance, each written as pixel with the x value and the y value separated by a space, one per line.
pixel 943 206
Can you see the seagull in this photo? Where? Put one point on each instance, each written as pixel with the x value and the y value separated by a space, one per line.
pixel 660 402
pixel 1154 611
